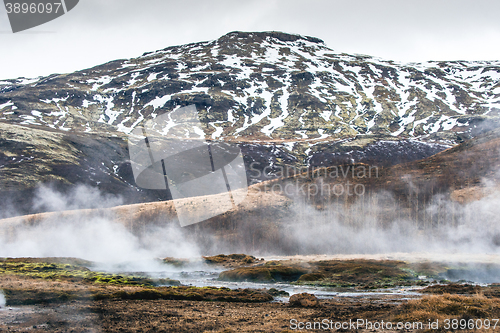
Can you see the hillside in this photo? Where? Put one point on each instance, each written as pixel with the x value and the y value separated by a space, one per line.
pixel 453 182
pixel 286 100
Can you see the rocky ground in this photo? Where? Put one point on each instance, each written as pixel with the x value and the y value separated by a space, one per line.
pixel 60 295
pixel 179 316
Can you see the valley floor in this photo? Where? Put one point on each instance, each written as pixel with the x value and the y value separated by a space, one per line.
pixel 201 316
pixel 181 316
pixel 54 295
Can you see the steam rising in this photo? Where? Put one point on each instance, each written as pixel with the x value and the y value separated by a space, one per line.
pixel 2 300
pixel 365 227
pixel 95 237
pixel 371 225
pixel 82 196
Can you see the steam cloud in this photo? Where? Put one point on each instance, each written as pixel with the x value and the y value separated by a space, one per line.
pixel 93 237
pixel 2 300
pixel 82 196
pixel 365 228
pixel 371 225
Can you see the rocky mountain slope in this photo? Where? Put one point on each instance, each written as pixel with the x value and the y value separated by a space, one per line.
pixel 264 86
pixel 428 194
pixel 285 99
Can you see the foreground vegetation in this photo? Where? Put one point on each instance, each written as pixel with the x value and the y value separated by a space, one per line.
pixel 449 307
pixel 360 274
pixel 48 280
pixel 73 270
pixel 64 294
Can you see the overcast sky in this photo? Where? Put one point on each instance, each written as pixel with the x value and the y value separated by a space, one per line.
pixel 97 31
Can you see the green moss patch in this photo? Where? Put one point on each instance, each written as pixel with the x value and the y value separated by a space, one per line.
pixel 176 262
pixel 75 272
pixel 265 273
pixel 27 296
pixel 77 282
pixel 364 274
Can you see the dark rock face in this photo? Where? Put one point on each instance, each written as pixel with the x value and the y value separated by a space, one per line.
pixel 287 100
pixel 31 157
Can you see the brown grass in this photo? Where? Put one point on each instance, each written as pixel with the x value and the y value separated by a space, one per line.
pixel 441 307
pixel 452 288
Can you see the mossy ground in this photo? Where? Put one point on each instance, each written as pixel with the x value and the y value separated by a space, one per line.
pixel 65 305
pixel 269 272
pixel 74 271
pixel 491 291
pixel 356 273
pixel 364 274
pixel 37 281
pixel 231 260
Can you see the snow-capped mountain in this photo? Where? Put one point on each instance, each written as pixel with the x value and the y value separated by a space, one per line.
pixel 264 86
pixel 285 99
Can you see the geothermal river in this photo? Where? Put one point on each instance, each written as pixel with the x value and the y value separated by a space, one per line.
pixel 201 275
pixel 209 278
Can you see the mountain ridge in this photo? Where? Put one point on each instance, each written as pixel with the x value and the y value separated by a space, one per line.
pixel 267 85
pixel 286 100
